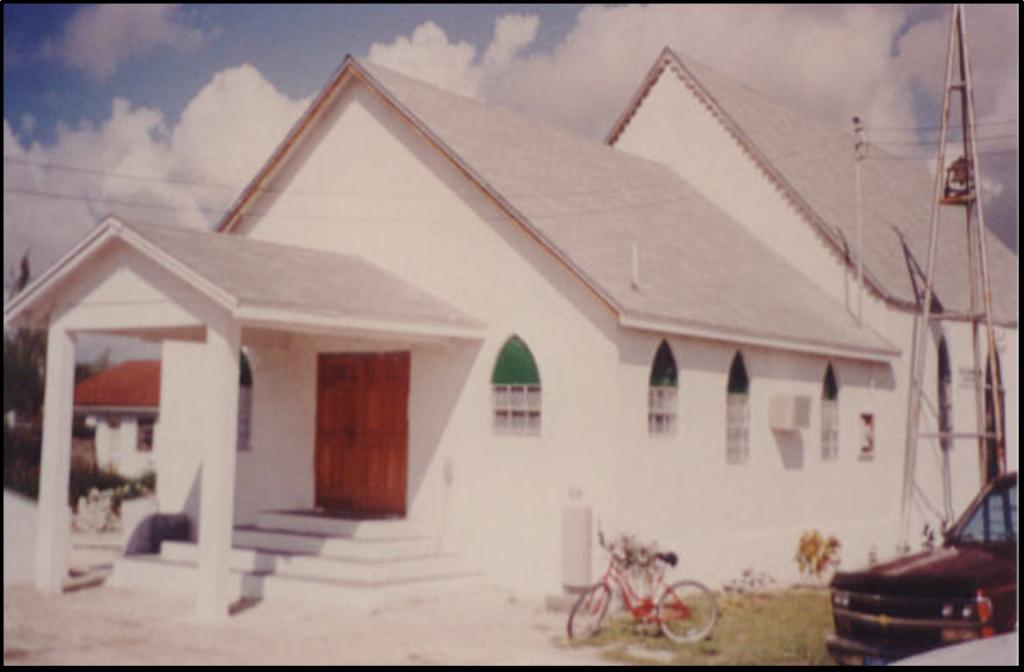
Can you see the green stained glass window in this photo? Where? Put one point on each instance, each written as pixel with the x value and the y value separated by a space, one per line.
pixel 663 373
pixel 515 365
pixel 516 388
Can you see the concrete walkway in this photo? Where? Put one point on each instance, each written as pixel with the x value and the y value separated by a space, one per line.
pixel 113 626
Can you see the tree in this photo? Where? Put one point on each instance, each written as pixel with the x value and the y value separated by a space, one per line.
pixel 24 372
pixel 24 361
pixel 87 370
pixel 24 383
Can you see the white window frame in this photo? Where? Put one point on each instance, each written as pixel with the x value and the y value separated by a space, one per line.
pixel 243 439
pixel 737 428
pixel 867 432
pixel 662 410
pixel 829 430
pixel 517 409
pixel 146 429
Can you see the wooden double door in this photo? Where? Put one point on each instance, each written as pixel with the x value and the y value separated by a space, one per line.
pixel 362 433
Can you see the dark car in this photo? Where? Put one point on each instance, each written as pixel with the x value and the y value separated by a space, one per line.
pixel 963 590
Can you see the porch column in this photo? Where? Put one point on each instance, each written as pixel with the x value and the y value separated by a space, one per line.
pixel 219 410
pixel 53 532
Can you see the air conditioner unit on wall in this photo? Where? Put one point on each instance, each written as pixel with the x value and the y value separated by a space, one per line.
pixel 789 412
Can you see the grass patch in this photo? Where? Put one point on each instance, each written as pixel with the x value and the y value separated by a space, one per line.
pixel 783 628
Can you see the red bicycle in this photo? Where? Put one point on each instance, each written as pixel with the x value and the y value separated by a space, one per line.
pixel 685 611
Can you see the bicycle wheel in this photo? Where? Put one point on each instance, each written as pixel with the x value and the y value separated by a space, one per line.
pixel 687 612
pixel 588 613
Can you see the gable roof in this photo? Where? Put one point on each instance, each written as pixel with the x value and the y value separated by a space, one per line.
pixel 812 163
pixel 258 281
pixel 132 384
pixel 590 205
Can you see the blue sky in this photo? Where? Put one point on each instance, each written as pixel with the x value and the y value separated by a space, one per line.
pixel 176 106
pixel 296 47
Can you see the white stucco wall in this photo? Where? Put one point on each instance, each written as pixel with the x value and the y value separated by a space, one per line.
pixel 402 206
pixel 723 518
pixel 117 447
pixel 673 126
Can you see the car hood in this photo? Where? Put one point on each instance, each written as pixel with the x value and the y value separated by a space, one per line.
pixel 947 571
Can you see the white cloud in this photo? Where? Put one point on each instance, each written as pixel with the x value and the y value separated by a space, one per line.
pixel 429 56
pixel 875 61
pixel 833 62
pixel 99 38
pixel 512 33
pixel 224 135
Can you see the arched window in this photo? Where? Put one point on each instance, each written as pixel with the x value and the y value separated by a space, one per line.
pixel 662 401
pixel 516 386
pixel 737 417
pixel 945 383
pixel 995 397
pixel 829 416
pixel 243 439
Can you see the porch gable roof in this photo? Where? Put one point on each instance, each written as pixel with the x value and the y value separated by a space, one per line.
pixel 265 282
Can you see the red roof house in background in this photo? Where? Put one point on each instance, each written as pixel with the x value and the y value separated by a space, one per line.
pixel 122 404
pixel 134 384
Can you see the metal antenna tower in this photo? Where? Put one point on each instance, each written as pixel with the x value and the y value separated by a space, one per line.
pixel 956 186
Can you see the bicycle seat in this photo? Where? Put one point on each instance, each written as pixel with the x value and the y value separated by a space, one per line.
pixel 669 558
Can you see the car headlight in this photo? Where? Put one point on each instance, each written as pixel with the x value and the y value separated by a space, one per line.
pixel 841 599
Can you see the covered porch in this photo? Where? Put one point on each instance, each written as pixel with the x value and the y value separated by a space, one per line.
pixel 205 296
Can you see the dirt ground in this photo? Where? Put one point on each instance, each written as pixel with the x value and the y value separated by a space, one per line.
pixel 101 625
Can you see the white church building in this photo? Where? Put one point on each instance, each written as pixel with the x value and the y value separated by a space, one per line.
pixel 456 316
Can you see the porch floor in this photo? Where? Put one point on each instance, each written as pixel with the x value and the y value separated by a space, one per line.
pixel 337 515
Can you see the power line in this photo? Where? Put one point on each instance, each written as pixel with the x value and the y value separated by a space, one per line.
pixel 217 212
pixel 315 193
pixel 1001 122
pixel 109 201
pixel 889 156
pixel 982 138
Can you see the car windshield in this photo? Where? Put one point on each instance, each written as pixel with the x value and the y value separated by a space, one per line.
pixel 994 519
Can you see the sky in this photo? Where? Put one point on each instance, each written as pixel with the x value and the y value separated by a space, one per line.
pixel 161 113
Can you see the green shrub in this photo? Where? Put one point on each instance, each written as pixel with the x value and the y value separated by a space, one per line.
pixel 21 474
pixel 124 489
pixel 21 462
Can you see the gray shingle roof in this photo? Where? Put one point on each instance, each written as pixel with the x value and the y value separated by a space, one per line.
pixel 816 160
pixel 269 275
pixel 591 202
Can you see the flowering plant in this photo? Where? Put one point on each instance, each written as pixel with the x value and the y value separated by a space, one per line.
pixel 815 553
pixel 638 559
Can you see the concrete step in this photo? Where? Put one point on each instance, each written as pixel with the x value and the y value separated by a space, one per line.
pixel 309 543
pixel 151 572
pixel 373 571
pixel 317 523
